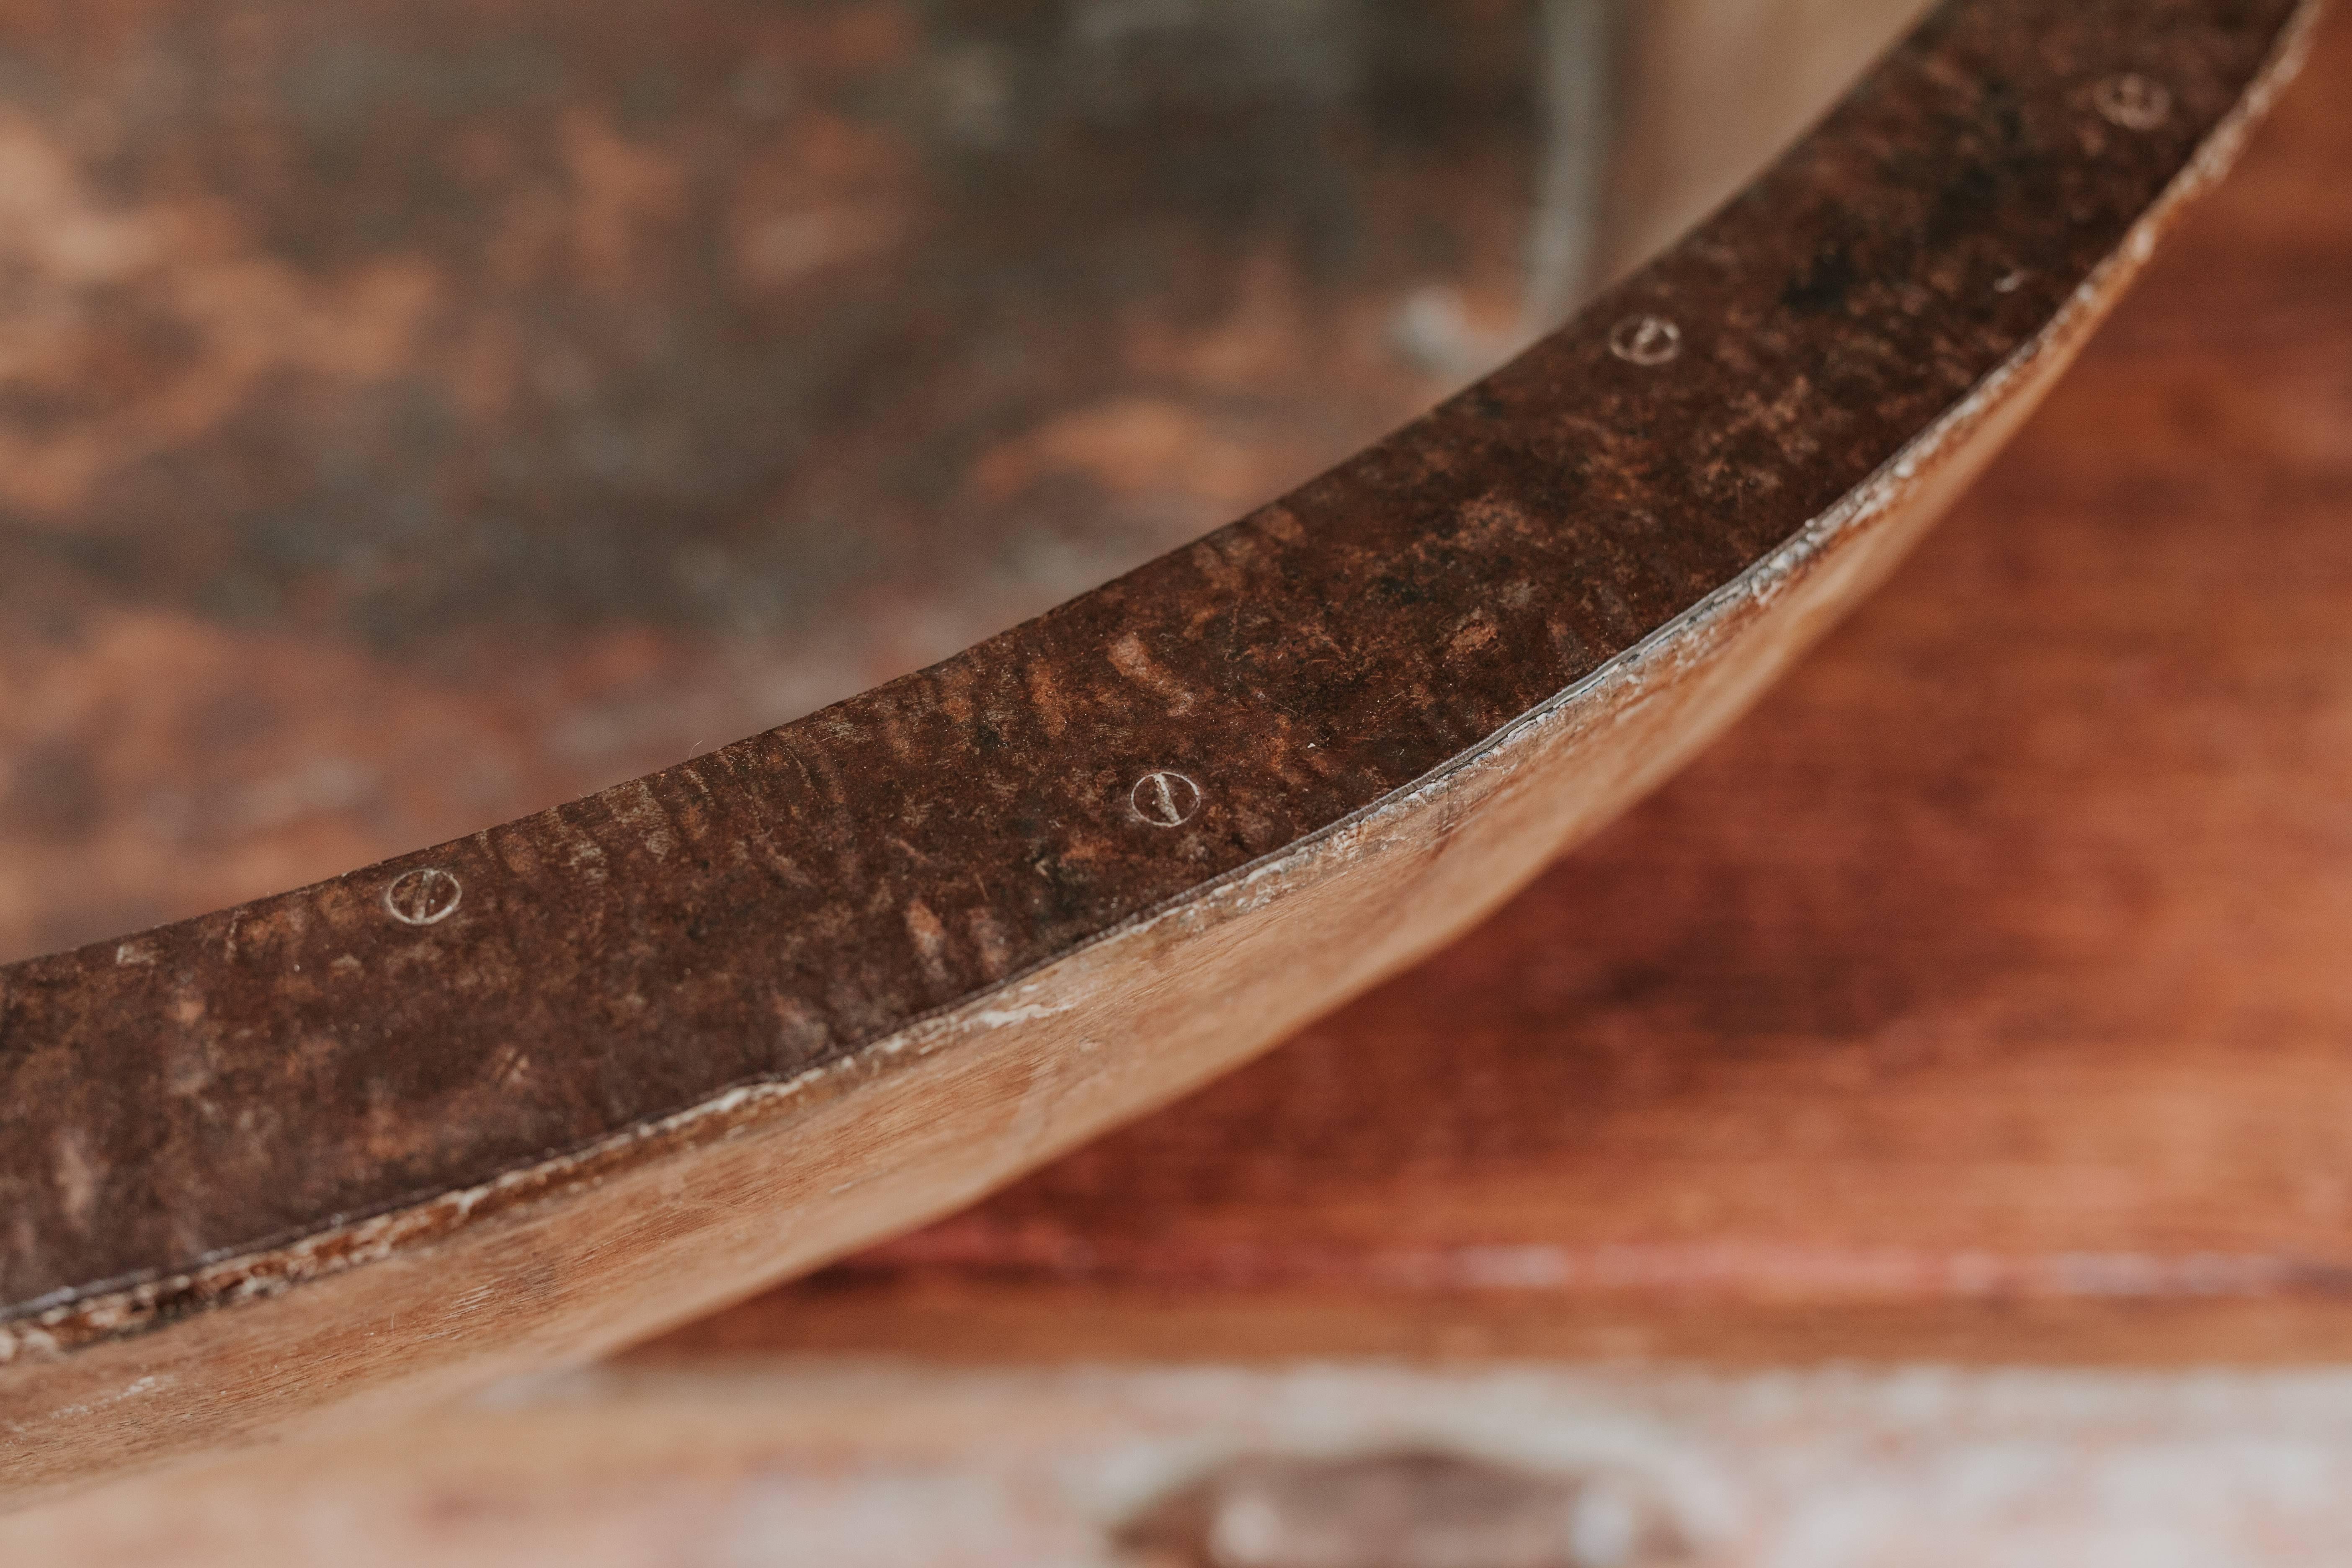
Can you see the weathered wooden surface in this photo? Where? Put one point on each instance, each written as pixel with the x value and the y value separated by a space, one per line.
pixel 1983 993
pixel 2121 792
pixel 703 1029
pixel 860 1467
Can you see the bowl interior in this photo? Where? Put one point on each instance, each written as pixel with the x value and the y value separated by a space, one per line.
pixel 416 412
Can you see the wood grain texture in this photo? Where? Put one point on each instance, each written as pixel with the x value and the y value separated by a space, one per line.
pixel 870 1467
pixel 722 1022
pixel 584 1253
pixel 1983 994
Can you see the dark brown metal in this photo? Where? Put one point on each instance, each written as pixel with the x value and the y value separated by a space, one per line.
pixel 220 1088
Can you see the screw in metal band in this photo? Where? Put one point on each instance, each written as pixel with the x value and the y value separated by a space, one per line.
pixel 423 896
pixel 1164 799
pixel 1646 340
pixel 2132 102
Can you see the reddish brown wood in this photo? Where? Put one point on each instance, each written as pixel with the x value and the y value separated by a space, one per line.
pixel 1983 993
pixel 365 1141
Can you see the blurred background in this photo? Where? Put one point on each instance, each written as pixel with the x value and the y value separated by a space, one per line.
pixel 1914 1136
pixel 417 413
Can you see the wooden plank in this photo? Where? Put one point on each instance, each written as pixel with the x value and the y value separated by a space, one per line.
pixel 869 1467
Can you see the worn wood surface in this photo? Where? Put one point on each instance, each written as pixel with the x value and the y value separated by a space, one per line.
pixel 853 1466
pixel 2003 918
pixel 1984 993
pixel 366 1140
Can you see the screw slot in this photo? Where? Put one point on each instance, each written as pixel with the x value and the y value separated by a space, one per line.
pixel 423 897
pixel 1164 799
pixel 2132 102
pixel 1646 340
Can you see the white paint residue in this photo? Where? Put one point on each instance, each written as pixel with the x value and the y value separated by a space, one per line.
pixel 1027 1012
